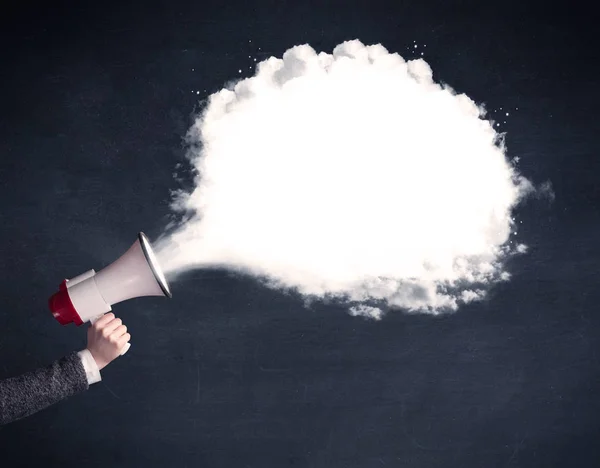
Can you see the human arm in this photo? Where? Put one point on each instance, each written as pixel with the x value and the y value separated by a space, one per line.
pixel 33 391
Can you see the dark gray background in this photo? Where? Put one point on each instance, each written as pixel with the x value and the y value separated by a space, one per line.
pixel 95 99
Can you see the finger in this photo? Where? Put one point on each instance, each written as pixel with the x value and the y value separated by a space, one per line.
pixel 119 331
pixel 104 320
pixel 111 327
pixel 123 340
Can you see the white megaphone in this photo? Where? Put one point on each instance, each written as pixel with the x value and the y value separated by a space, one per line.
pixel 87 297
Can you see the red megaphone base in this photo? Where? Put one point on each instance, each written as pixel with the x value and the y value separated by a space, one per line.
pixel 62 308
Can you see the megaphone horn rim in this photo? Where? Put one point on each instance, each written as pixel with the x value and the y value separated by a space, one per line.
pixel 145 245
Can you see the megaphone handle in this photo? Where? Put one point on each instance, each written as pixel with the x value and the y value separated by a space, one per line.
pixel 125 348
pixel 93 320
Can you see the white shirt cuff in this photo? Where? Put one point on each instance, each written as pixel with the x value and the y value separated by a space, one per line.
pixel 91 368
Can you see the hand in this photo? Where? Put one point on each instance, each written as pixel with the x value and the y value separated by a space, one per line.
pixel 106 339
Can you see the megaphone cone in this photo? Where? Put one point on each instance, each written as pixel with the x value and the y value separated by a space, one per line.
pixel 90 295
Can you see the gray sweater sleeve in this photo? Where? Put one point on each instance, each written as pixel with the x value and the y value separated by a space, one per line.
pixel 31 392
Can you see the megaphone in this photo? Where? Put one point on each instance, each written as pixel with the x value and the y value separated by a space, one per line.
pixel 87 297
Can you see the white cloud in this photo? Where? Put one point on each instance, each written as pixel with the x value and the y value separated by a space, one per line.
pixel 366 311
pixel 350 175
